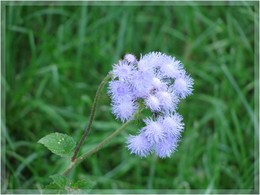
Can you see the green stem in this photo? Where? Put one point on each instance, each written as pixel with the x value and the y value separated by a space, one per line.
pixel 98 147
pixel 92 114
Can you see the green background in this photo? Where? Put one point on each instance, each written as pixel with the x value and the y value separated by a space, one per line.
pixel 56 54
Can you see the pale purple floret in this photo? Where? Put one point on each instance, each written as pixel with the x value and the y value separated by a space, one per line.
pixel 158 82
pixel 172 124
pixel 153 131
pixel 142 83
pixel 139 145
pixel 183 85
pixel 119 90
pixel 171 68
pixel 158 85
pixel 153 59
pixel 153 103
pixel 124 109
pixel 166 147
pixel 122 70
pixel 168 100
pixel 130 58
pixel 167 66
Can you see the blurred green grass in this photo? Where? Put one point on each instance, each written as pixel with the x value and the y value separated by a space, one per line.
pixel 56 55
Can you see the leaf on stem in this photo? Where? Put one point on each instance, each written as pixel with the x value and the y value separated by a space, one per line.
pixel 83 184
pixel 58 143
pixel 60 180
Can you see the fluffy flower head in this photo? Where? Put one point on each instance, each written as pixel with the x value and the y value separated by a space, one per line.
pixel 122 70
pixel 166 147
pixel 153 103
pixel 173 124
pixel 183 85
pixel 119 90
pixel 158 82
pixel 130 58
pixel 139 145
pixel 153 131
pixel 124 110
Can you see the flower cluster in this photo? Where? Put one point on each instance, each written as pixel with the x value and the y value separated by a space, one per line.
pixel 158 81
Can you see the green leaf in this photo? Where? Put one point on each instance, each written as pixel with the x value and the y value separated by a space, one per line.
pixel 53 188
pixel 60 180
pixel 83 184
pixel 57 186
pixel 58 143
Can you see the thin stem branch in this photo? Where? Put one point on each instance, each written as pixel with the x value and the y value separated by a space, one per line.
pixel 92 114
pixel 98 147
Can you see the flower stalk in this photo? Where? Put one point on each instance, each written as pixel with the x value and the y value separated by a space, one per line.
pixel 99 146
pixel 92 114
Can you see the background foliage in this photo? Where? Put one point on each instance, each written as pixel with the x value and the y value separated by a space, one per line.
pixel 56 55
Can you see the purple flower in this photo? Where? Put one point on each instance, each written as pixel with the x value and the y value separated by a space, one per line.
pixel 130 58
pixel 173 125
pixel 168 100
pixel 183 85
pixel 152 102
pixel 153 131
pixel 171 68
pixel 166 147
pixel 159 82
pixel 158 85
pixel 141 82
pixel 119 90
pixel 122 70
pixel 139 145
pixel 153 59
pixel 124 109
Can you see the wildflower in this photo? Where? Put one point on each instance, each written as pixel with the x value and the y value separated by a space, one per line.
pixel 124 109
pixel 173 125
pixel 153 59
pixel 153 131
pixel 119 90
pixel 122 70
pixel 139 145
pixel 130 58
pixel 158 85
pixel 153 103
pixel 171 68
pixel 141 81
pixel 160 82
pixel 166 147
pixel 183 85
pixel 168 101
